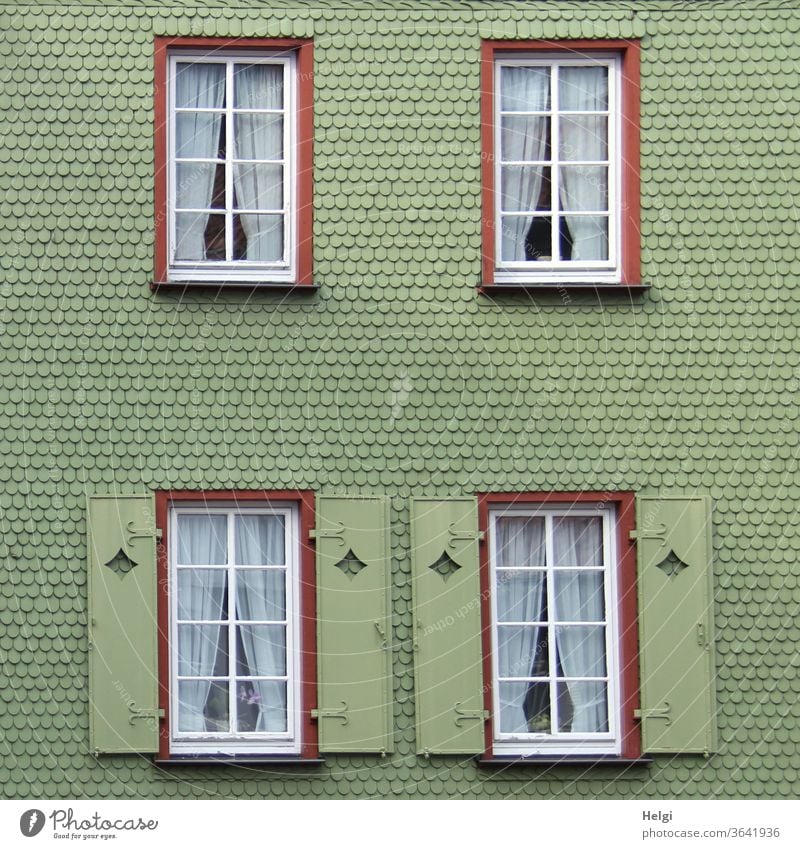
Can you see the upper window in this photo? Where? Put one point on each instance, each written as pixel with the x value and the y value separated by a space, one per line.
pixel 561 178
pixel 235 612
pixel 237 205
pixel 555 629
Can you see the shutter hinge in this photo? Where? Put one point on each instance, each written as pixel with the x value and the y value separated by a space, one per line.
pixel 147 533
pixel 382 634
pixel 664 713
pixel 466 535
pixel 461 715
pixel 341 713
pixel 135 713
pixel 658 532
pixel 329 533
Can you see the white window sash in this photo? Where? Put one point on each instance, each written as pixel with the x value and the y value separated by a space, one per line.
pixel 561 743
pixel 236 742
pixel 237 270
pixel 562 271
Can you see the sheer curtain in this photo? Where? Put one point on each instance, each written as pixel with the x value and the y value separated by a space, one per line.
pixel 579 543
pixel 201 541
pixel 198 86
pixel 520 544
pixel 524 137
pixel 260 136
pixel 260 596
pixel 584 137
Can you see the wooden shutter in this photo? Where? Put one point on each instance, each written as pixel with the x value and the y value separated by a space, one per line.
pixel 447 625
pixel 676 624
pixel 123 675
pixel 355 704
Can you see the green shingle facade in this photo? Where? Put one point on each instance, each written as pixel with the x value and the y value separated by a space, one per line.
pixel 397 376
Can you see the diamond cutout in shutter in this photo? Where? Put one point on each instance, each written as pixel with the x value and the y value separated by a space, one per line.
pixel 445 566
pixel 120 564
pixel 350 565
pixel 672 565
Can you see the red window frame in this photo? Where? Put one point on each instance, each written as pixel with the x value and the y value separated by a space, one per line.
pixel 304 51
pixel 625 506
pixel 303 500
pixel 629 51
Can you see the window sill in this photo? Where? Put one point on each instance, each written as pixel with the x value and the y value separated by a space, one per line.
pixel 238 760
pixel 578 289
pixel 239 285
pixel 563 760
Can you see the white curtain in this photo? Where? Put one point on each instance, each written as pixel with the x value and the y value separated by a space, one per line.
pixel 260 596
pixel 260 136
pixel 199 86
pixel 578 542
pixel 520 544
pixel 524 137
pixel 201 540
pixel 584 138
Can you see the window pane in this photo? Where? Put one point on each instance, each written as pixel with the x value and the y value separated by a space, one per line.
pixel 202 650
pixel 586 238
pixel 202 540
pixel 199 85
pixel 520 541
pixel 261 706
pixel 578 541
pixel 527 239
pixel 258 86
pixel 523 651
pixel 199 135
pixel 258 238
pixel 525 139
pixel 583 89
pixel 524 89
pixel 260 540
pixel 579 596
pixel 584 188
pixel 264 650
pixel 521 596
pixel 258 186
pixel 583 138
pixel 581 650
pixel 582 707
pixel 524 708
pixel 525 188
pixel 203 706
pixel 192 184
pixel 199 236
pixel 261 595
pixel 258 136
pixel 201 594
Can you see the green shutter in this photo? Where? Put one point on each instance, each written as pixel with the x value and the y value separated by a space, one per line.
pixel 676 623
pixel 354 701
pixel 123 676
pixel 447 626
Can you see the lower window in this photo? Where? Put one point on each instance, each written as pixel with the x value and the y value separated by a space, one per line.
pixel 555 629
pixel 235 636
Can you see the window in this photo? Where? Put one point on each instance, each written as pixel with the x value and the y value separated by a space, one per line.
pixel 234 189
pixel 560 164
pixel 234 646
pixel 556 655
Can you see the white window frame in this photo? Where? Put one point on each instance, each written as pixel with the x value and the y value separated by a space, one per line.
pixel 563 743
pixel 241 271
pixel 235 742
pixel 564 271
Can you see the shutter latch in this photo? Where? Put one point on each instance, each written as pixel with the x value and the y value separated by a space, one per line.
pixel 136 713
pixel 341 713
pixel 336 533
pixel 461 715
pixel 664 713
pixel 658 532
